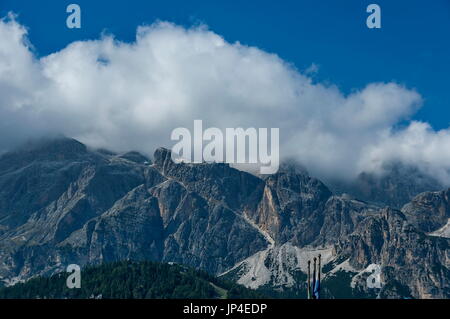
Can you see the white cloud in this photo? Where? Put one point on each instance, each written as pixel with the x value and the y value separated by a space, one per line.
pixel 124 96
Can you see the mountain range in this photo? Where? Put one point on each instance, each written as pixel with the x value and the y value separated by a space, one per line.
pixel 63 203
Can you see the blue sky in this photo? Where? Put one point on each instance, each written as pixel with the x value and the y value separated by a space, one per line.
pixel 412 48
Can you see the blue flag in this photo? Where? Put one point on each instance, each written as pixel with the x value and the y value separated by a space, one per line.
pixel 316 289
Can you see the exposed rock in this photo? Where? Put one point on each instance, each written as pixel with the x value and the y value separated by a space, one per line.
pixel 429 211
pixel 61 203
pixel 407 256
pixel 292 206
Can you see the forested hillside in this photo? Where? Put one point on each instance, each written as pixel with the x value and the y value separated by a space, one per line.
pixel 134 280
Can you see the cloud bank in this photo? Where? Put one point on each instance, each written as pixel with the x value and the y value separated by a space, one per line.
pixel 123 96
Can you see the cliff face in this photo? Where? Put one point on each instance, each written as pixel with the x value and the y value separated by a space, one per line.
pixel 95 207
pixel 429 211
pixel 61 203
pixel 412 260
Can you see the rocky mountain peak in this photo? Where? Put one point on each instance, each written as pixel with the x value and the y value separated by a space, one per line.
pixel 429 211
pixel 61 203
pixel 61 147
pixel 46 149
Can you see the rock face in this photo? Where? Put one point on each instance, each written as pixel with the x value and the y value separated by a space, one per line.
pixel 405 253
pixel 429 211
pixel 291 206
pixel 80 206
pixel 61 203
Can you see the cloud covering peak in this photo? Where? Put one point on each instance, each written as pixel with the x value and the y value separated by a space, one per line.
pixel 123 96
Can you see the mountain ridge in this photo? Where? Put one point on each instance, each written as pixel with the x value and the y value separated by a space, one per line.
pixel 90 207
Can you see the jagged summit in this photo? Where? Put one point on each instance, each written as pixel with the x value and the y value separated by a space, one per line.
pixel 292 166
pixel 61 148
pixel 63 203
pixel 51 149
pixel 429 211
pixel 60 145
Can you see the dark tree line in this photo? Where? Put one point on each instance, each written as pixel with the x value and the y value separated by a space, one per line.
pixel 131 280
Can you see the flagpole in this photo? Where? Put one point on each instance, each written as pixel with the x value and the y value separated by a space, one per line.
pixel 314 278
pixel 318 290
pixel 309 278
